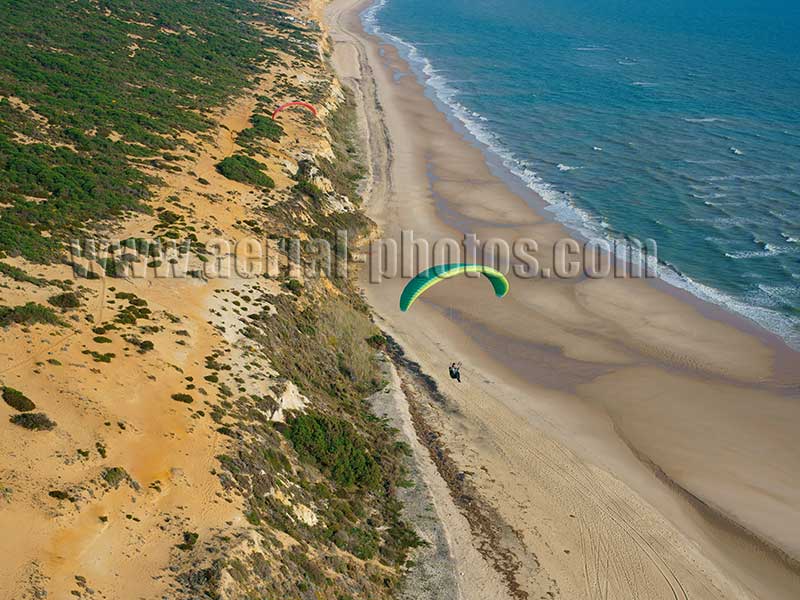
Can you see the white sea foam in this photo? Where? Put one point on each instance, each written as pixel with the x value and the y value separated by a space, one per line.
pixel 597 148
pixel 778 295
pixel 703 162
pixel 734 177
pixel 768 318
pixel 562 167
pixel 704 120
pixel 369 17
pixel 706 196
pixel 735 150
pixel 768 250
pixel 749 254
pixel 789 238
pixel 560 203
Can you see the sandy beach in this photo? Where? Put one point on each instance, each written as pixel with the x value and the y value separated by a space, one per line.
pixel 631 442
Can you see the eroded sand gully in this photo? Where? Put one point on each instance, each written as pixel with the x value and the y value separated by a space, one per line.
pixel 640 445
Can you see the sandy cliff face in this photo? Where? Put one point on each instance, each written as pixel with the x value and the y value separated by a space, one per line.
pixel 165 463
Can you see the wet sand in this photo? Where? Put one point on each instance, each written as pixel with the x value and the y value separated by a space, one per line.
pixel 639 443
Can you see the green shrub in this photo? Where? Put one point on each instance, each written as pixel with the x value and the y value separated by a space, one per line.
pixel 33 421
pixel 65 300
pixel 364 543
pixel 261 127
pixel 294 286
pixel 17 400
pixel 18 274
pixel 28 314
pixel 113 476
pixel 185 398
pixel 335 447
pixel 311 190
pixel 377 341
pixel 189 540
pixel 99 356
pixel 244 169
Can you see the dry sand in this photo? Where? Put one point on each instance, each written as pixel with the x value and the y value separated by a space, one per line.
pixel 636 443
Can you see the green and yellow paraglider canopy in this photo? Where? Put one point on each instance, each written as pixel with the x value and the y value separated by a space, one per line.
pixel 434 275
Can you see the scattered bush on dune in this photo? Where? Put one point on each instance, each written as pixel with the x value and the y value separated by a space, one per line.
pixel 261 127
pixel 60 495
pixel 18 274
pixel 244 169
pixel 185 398
pixel 65 300
pixel 28 314
pixel 33 421
pixel 100 357
pixel 113 476
pixel 17 400
pixel 142 346
pixel 189 540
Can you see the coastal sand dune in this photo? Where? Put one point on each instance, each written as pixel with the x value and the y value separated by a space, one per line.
pixel 636 443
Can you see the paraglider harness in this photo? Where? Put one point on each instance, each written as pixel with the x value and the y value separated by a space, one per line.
pixel 455 371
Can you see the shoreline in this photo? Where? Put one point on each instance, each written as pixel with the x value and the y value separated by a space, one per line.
pixel 495 159
pixel 580 418
pixel 786 355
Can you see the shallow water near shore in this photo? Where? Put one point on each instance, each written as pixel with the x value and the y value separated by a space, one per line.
pixel 636 121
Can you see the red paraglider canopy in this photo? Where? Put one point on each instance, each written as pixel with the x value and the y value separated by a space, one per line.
pixel 294 103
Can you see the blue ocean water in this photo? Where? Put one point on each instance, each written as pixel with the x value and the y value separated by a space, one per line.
pixel 676 120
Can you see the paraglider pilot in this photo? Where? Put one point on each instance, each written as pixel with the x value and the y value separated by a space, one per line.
pixel 455 371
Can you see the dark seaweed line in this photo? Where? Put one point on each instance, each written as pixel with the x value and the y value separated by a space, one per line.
pixel 481 517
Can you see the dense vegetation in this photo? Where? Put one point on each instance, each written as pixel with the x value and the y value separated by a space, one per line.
pixel 65 300
pixel 336 448
pixel 18 274
pixel 17 400
pixel 33 421
pixel 89 89
pixel 28 314
pixel 245 170
pixel 261 128
pixel 325 349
